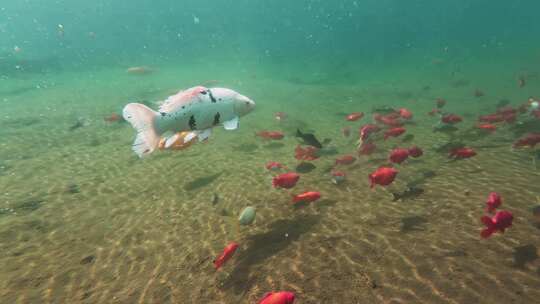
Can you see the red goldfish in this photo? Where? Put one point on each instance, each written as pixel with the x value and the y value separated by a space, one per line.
pixel 285 180
pixel 354 116
pixel 415 152
pixel 487 127
pixel 366 130
pixel 274 166
pixel 367 148
pixel 491 118
pixel 530 140
pixel 280 297
pixel 226 255
pixel 493 202
pixel 499 222
pixel 461 153
pixel 345 160
pixel 306 197
pixel 271 134
pixel 308 153
pixel 405 114
pixel 398 155
pixel 383 176
pixel 391 120
pixel 394 132
pixel 451 119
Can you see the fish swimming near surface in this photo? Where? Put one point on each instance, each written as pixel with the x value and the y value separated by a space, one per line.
pixel 309 139
pixel 197 109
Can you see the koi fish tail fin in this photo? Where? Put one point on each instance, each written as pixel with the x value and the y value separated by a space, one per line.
pixel 487 232
pixel 143 120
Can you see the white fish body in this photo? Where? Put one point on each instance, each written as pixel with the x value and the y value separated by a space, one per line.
pixel 197 109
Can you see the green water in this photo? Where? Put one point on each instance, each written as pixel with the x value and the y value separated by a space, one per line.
pixel 84 220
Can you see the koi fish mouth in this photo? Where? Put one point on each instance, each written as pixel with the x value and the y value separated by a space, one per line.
pixel 243 105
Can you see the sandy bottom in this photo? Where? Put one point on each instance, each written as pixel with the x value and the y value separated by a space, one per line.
pixel 82 220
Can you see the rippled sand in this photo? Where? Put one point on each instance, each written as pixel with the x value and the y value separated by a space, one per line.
pixel 85 221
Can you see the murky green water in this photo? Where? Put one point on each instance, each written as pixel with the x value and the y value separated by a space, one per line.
pixel 84 220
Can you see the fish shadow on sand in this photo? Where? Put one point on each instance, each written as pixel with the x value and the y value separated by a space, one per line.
pixel 201 182
pixel 413 223
pixel 524 254
pixel 262 246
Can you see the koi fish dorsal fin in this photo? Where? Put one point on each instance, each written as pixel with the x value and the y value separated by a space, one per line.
pixel 181 98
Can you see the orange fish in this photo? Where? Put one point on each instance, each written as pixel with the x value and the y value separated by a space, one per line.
pixel 354 116
pixel 280 297
pixel 306 197
pixel 226 255
pixel 271 135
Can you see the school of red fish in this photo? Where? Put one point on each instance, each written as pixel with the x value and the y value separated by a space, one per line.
pixel 391 125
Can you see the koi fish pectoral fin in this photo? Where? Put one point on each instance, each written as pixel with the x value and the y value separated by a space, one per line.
pixel 231 124
pixel 204 134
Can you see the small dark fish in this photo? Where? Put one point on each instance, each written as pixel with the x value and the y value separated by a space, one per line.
pixel 215 199
pixel 305 167
pixel 78 124
pixel 410 193
pixel 407 138
pixel 309 139
pixel 383 110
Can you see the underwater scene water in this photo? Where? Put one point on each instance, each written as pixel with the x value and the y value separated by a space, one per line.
pixel 277 152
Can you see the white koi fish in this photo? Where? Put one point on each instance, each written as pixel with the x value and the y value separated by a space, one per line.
pixel 197 109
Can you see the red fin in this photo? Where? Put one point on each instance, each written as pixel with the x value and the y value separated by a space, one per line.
pixel 266 295
pixel 487 232
pixel 486 220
